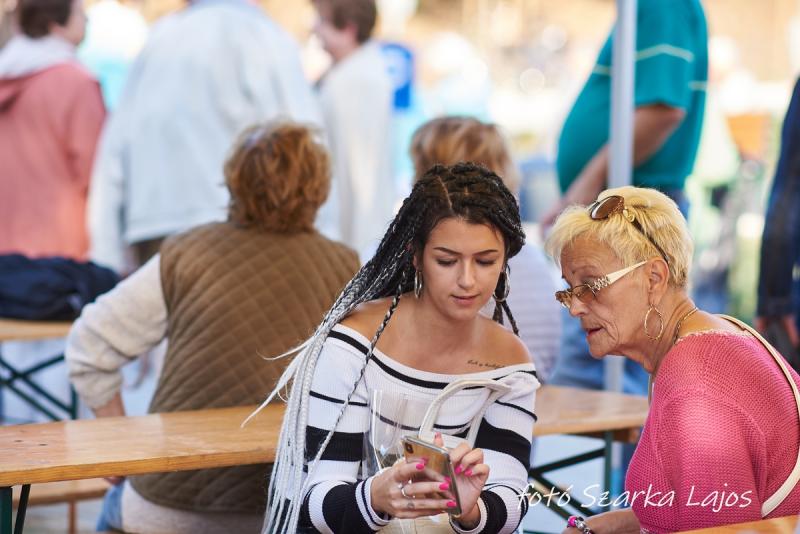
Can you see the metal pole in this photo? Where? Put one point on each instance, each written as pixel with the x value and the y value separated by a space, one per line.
pixel 620 167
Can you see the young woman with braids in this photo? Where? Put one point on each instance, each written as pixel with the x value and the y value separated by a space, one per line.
pixel 408 323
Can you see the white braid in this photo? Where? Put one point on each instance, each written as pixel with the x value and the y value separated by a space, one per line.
pixel 286 488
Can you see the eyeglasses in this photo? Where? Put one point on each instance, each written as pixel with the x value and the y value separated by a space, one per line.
pixel 606 207
pixel 586 293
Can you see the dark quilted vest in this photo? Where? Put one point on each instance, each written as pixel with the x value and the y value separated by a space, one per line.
pixel 234 296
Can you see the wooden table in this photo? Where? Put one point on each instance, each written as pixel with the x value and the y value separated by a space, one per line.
pixel 606 415
pixel 781 525
pixel 180 441
pixel 10 376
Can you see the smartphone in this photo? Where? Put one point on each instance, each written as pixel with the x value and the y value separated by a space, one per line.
pixel 438 460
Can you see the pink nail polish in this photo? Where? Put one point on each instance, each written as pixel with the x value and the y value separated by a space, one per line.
pixel 420 466
pixel 444 486
pixel 451 504
pixel 468 472
pixel 458 469
pixel 447 479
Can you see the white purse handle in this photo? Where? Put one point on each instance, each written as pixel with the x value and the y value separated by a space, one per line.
pixel 786 488
pixel 426 428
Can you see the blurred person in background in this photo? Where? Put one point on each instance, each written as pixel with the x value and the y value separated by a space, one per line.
pixel 51 114
pixel 205 73
pixel 115 33
pixel 224 294
pixel 357 98
pixel 450 140
pixel 778 313
pixel 669 97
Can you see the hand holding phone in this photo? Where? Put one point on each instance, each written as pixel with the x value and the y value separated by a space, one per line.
pixel 437 460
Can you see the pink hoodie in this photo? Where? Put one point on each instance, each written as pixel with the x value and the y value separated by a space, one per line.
pixel 50 120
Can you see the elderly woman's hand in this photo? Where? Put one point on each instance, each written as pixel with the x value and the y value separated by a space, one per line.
pixel 616 522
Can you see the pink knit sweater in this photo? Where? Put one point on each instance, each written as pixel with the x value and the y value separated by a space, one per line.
pixel 722 435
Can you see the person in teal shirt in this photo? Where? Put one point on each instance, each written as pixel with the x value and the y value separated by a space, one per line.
pixel 669 97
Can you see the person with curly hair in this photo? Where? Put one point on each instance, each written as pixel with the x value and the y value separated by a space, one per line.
pixel 224 295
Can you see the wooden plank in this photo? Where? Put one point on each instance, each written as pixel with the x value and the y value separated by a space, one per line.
pixel 565 410
pixel 781 525
pixel 120 446
pixel 67 491
pixel 14 330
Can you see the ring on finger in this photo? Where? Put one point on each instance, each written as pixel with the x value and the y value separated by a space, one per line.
pixel 403 492
pixel 410 504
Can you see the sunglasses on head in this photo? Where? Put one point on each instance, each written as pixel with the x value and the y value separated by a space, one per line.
pixel 608 206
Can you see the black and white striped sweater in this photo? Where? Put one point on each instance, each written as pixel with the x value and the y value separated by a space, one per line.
pixel 338 501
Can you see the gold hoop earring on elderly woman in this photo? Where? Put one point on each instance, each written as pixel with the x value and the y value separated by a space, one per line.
pixel 417 284
pixel 660 324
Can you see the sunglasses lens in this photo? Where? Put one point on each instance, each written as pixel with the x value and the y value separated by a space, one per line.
pixel 603 208
pixel 583 293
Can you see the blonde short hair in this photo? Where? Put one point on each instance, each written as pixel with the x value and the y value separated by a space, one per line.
pixel 658 216
pixel 450 140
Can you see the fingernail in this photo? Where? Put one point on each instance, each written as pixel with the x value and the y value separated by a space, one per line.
pixel 420 466
pixel 451 504
pixel 439 435
pixel 444 486
pixel 447 479
pixel 468 472
pixel 458 469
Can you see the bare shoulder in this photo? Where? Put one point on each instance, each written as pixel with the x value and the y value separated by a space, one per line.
pixel 504 346
pixel 367 316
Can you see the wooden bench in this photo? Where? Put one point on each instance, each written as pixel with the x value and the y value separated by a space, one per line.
pixel 70 492
pixel 203 439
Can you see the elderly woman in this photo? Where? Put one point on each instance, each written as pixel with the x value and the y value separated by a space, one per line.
pixel 720 444
pixel 224 294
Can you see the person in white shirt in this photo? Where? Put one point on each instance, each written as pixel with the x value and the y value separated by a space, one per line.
pixel 206 72
pixel 356 96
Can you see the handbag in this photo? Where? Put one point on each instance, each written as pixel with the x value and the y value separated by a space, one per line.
pixel 440 524
pixel 788 485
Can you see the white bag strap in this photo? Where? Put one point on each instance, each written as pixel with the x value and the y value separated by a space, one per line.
pixel 786 488
pixel 426 428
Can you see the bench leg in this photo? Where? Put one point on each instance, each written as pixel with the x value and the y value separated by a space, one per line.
pixel 73 517
pixel 6 500
pixel 22 507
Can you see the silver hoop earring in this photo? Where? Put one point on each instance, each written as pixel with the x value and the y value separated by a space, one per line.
pixel 660 324
pixel 503 287
pixel 417 283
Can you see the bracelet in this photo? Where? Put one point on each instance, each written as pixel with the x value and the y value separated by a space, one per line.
pixel 576 521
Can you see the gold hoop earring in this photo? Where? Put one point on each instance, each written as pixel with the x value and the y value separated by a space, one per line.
pixel 660 324
pixel 417 284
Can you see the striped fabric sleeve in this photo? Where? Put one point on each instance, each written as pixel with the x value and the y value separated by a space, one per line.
pixel 505 437
pixel 336 501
